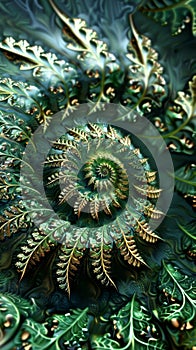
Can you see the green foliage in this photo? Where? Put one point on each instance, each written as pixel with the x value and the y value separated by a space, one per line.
pixel 182 292
pixel 186 179
pixel 133 328
pixel 177 125
pixel 178 307
pixel 67 330
pixel 59 330
pixel 12 308
pixel 146 85
pixel 176 13
pixel 14 128
pixel 189 238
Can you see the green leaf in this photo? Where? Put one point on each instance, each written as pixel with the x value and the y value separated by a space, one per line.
pixel 12 307
pixel 9 319
pixel 104 342
pixel 72 327
pixel 189 238
pixel 189 229
pixel 134 328
pixel 67 330
pixel 182 291
pixel 186 179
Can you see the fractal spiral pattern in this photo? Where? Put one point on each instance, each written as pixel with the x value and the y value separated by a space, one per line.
pixel 97 174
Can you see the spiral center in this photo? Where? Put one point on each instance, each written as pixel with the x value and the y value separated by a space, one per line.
pixel 103 171
pixel 95 177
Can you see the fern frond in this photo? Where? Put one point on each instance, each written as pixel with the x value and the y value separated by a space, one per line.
pixel 49 71
pixel 126 141
pixel 13 219
pixel 79 204
pixel 55 160
pixel 105 206
pixel 146 87
pixel 112 133
pixel 13 127
pixel 101 257
pixel 153 192
pixel 151 176
pixel 94 208
pixel 61 176
pixel 88 48
pixel 37 246
pixel 152 212
pixel 84 39
pixel 37 56
pixel 145 232
pixel 115 201
pixel 68 265
pixel 9 88
pixel 67 193
pixel 101 262
pixel 9 186
pixel 96 130
pixel 78 134
pixel 11 156
pixel 64 144
pixel 128 249
pixel 173 12
pixel 26 98
pixel 121 193
pixel 149 191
